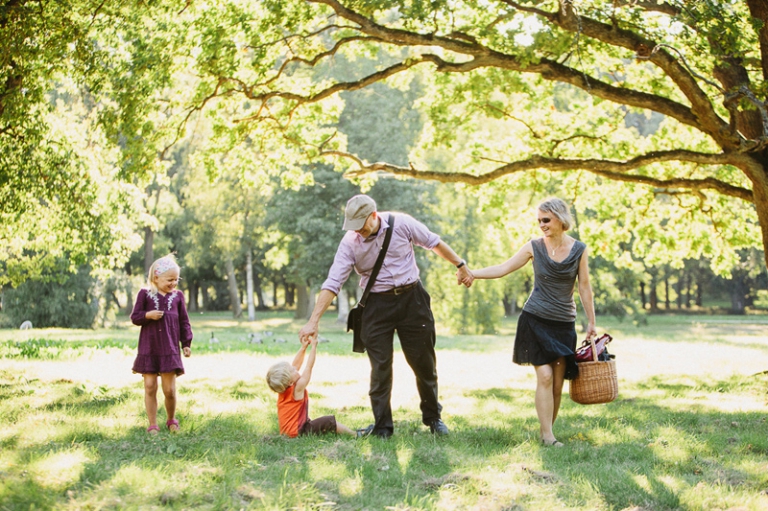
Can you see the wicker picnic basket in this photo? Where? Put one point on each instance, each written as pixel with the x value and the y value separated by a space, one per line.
pixel 597 381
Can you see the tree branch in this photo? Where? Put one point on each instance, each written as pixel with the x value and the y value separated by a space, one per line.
pixel 548 69
pixel 614 170
pixel 333 89
pixel 650 6
pixel 701 105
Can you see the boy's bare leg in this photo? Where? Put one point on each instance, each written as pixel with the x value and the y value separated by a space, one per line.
pixel 341 429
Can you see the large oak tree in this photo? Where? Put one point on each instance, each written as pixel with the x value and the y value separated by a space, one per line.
pixel 520 87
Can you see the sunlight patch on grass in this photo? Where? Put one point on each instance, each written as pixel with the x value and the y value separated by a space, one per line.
pixel 59 469
pixel 351 486
pixel 327 470
pixel 134 479
pixel 673 483
pixel 641 480
pixel 725 402
pixel 216 407
pixel 275 322
pixel 404 456
pixel 40 427
pixel 670 446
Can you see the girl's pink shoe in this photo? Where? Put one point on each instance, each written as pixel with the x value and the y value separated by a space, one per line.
pixel 153 430
pixel 173 425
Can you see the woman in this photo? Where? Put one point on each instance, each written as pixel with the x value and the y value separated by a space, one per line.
pixel 546 330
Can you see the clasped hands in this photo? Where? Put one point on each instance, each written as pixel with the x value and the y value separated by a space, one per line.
pixel 464 276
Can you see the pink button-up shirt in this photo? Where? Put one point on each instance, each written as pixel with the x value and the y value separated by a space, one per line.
pixel 399 266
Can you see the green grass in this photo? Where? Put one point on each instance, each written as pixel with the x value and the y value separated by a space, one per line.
pixel 671 441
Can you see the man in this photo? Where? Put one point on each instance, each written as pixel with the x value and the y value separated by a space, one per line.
pixel 397 302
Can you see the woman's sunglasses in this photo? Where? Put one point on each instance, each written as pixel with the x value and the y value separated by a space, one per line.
pixel 544 220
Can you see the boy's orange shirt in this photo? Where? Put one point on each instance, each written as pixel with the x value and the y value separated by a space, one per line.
pixel 292 413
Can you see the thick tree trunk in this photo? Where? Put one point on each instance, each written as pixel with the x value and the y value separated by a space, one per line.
pixel 302 303
pixel 761 206
pixel 643 298
pixel 249 284
pixel 755 167
pixel 205 296
pixel 274 292
pixel 234 296
pixel 259 291
pixel 739 291
pixel 290 294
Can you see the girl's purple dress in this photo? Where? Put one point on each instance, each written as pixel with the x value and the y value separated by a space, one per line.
pixel 159 340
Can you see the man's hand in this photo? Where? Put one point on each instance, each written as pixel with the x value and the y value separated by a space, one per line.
pixel 308 332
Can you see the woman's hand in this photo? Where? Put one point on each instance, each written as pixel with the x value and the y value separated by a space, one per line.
pixel 154 315
pixel 591 331
pixel 187 351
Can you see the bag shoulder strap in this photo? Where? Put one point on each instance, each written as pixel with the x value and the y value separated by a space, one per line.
pixel 379 261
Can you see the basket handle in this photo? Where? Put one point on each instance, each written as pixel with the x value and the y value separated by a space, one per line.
pixel 594 349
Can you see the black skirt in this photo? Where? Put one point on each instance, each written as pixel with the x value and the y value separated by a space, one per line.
pixel 540 341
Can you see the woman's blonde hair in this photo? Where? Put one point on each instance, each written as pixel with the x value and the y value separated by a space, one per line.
pixel 280 377
pixel 560 209
pixel 159 267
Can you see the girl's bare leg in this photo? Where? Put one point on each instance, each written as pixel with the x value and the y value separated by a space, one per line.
pixel 169 390
pixel 150 399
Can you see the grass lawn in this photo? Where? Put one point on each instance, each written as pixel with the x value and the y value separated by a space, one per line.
pixel 688 431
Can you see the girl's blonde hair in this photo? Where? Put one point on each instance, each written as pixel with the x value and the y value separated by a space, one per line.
pixel 159 267
pixel 560 209
pixel 280 377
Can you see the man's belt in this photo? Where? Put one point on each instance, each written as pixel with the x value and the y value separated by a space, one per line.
pixel 399 290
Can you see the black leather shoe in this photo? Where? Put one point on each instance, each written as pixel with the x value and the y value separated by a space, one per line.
pixel 438 427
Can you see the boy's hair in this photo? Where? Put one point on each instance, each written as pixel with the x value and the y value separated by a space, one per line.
pixel 159 267
pixel 280 377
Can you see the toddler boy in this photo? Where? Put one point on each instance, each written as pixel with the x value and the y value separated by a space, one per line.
pixel 293 398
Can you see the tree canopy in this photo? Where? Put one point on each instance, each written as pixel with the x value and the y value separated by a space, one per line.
pixel 79 85
pixel 649 116
pixel 521 91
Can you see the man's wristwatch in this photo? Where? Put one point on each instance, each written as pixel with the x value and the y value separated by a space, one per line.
pixel 462 263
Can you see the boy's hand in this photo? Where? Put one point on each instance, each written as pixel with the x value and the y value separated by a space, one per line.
pixel 305 341
pixel 307 331
pixel 313 341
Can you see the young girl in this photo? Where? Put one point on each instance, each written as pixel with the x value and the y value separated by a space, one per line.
pixel 162 315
